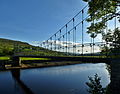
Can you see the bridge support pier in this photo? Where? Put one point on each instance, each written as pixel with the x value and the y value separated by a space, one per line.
pixel 16 61
pixel 2 65
pixel 115 76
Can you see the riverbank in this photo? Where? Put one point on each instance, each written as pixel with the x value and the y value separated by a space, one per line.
pixel 26 63
pixel 42 65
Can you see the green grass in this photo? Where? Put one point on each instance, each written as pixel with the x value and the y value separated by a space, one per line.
pixel 26 58
pixel 4 58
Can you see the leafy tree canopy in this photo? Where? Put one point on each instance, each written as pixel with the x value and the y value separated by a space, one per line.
pixel 113 37
pixel 100 12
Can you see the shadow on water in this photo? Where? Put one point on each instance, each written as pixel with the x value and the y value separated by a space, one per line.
pixel 16 75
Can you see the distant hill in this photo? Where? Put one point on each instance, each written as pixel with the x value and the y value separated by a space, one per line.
pixel 12 47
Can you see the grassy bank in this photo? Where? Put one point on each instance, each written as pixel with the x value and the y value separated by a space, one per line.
pixel 23 58
pixel 30 58
pixel 26 58
pixel 5 58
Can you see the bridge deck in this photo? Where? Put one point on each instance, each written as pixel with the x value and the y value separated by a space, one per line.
pixel 70 58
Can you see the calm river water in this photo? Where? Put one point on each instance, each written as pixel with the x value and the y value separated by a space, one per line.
pixel 70 79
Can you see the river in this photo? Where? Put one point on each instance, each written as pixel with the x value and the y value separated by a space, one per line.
pixel 69 79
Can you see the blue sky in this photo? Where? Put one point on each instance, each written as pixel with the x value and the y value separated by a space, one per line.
pixel 35 20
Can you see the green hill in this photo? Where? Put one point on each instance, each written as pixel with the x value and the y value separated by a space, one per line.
pixel 12 47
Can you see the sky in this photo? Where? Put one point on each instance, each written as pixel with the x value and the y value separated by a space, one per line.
pixel 35 20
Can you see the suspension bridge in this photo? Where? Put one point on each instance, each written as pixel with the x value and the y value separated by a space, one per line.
pixel 75 43
pixel 73 38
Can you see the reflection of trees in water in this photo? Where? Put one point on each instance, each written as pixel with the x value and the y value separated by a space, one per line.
pixel 95 86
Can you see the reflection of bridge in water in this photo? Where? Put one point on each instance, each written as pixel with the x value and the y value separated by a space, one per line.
pixel 16 75
pixel 113 87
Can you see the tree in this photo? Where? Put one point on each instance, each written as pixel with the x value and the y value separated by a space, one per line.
pixel 113 37
pixel 101 11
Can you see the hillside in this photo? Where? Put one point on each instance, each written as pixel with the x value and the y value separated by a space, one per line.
pixel 10 47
